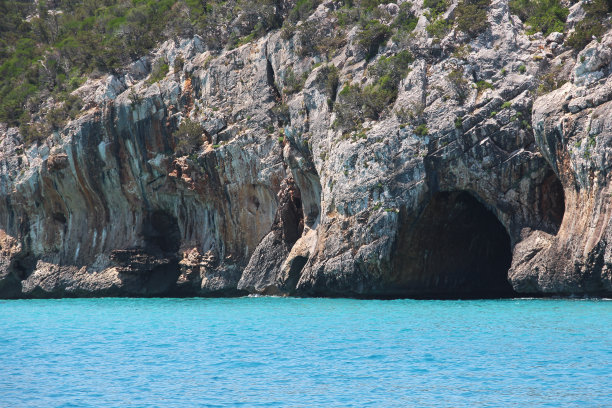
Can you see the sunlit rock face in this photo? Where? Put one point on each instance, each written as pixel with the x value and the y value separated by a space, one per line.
pixel 505 192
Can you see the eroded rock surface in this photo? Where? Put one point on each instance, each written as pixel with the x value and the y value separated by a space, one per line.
pixel 501 186
pixel 573 129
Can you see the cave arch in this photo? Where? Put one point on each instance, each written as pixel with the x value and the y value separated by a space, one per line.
pixel 455 248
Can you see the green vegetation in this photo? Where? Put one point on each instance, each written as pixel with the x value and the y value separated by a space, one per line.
pixel 595 23
pixel 302 9
pixel 506 105
pixel 436 7
pixel 61 43
pixel 328 75
pixel 482 86
pixel 404 24
pixel 471 16
pixel 544 16
pixel 459 85
pixel 356 104
pixel 294 83
pixel 552 80
pixel 188 137
pixel 438 27
pixel 372 35
pixel 458 122
pixel 405 21
pixel 158 72
pixel 522 69
pixel 462 51
pixel 421 130
pixel 314 40
pixel 51 53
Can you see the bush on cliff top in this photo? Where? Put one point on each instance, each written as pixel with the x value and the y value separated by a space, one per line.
pixel 544 16
pixel 471 16
pixel 48 52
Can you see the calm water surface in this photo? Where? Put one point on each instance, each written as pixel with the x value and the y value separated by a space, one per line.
pixel 305 352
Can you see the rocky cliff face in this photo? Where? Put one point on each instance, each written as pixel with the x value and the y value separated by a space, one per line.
pixel 457 190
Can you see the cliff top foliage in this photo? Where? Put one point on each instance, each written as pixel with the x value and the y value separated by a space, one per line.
pixel 48 48
pixel 544 16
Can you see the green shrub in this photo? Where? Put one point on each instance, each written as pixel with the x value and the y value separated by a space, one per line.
pixel 373 33
pixel 522 69
pixel 302 9
pixel 405 21
pixel 471 16
pixel 544 16
pixel 349 107
pixel 357 104
pixel 293 83
pixel 459 85
pixel 421 130
pixel 389 71
pixel 438 28
pixel 482 86
pixel 376 97
pixel 188 137
pixel 288 30
pixel 436 7
pixel 506 105
pixel 330 78
pixel 462 51
pixel 158 72
pixel 458 122
pixel 315 40
pixel 594 24
pixel 179 63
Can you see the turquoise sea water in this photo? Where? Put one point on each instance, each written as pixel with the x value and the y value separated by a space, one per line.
pixel 305 352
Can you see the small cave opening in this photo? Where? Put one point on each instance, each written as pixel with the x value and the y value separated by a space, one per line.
pixel 290 214
pixel 455 249
pixel 161 232
pixel 551 203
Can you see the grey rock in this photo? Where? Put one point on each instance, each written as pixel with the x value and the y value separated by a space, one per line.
pixel 275 199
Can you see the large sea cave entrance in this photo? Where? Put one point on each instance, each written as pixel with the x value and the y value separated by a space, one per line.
pixel 456 248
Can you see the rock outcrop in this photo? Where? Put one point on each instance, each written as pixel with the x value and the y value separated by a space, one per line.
pixel 457 190
pixel 573 130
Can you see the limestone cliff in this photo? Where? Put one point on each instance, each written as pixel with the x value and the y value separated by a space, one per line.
pixel 473 183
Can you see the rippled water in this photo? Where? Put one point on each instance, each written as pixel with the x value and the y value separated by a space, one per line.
pixel 305 352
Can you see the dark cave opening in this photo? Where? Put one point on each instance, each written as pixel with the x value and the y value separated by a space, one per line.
pixel 161 232
pixel 551 203
pixel 456 248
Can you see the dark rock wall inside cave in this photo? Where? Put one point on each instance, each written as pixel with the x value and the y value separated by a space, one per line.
pixel 456 248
